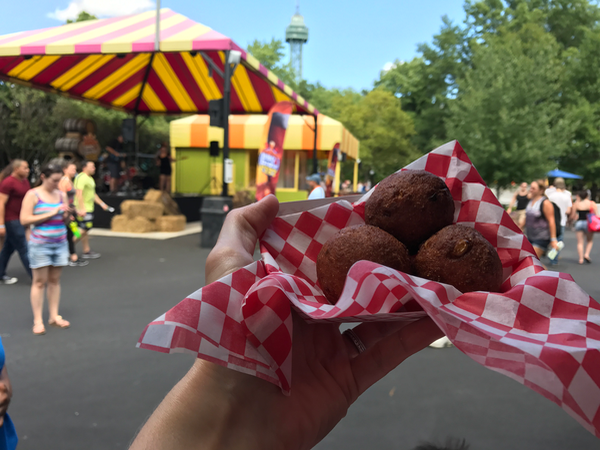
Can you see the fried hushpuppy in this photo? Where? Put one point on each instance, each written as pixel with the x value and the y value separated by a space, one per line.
pixel 460 256
pixel 352 244
pixel 411 205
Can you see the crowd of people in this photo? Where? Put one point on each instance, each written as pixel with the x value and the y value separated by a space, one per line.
pixel 544 213
pixel 43 224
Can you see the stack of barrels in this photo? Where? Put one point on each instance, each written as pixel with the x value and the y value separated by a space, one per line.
pixel 75 129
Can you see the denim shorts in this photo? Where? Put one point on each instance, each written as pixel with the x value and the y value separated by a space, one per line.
pixel 581 225
pixel 44 255
pixel 540 243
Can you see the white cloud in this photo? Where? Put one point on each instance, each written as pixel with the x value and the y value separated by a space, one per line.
pixel 391 65
pixel 104 8
pixel 388 66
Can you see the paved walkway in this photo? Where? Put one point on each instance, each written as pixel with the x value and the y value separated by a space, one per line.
pixel 89 388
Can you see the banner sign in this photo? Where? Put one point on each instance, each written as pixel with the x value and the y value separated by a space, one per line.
pixel 271 155
pixel 331 165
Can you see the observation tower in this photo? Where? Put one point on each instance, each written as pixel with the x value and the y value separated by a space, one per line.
pixel 296 34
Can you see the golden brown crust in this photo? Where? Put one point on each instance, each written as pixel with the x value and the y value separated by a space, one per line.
pixel 460 256
pixel 360 242
pixel 411 205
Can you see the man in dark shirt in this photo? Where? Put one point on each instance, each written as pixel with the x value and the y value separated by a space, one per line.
pixel 115 155
pixel 12 190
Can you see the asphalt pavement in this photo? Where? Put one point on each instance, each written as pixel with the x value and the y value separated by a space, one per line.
pixel 90 388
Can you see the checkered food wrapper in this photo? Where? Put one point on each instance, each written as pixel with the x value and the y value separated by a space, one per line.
pixel 542 329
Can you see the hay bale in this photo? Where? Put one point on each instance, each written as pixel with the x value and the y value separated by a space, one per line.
pixel 119 223
pixel 153 195
pixel 141 208
pixel 141 225
pixel 171 207
pixel 171 223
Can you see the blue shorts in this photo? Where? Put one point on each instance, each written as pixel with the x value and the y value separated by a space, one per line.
pixel 44 255
pixel 581 225
pixel 540 243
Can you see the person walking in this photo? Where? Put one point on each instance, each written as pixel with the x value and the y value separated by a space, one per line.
pixel 562 198
pixel 581 208
pixel 316 190
pixel 519 201
pixel 85 193
pixel 539 220
pixel 45 209
pixel 12 191
pixel 66 186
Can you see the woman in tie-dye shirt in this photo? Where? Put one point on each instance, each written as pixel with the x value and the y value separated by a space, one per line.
pixel 45 209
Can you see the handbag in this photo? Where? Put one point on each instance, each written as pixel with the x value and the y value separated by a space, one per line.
pixel 593 222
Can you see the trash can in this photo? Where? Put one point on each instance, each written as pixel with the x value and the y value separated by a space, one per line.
pixel 212 213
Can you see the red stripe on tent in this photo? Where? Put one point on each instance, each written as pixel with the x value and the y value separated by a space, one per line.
pixel 161 91
pixel 236 104
pixel 7 63
pixel 187 79
pixel 123 87
pixel 56 69
pixel 95 45
pixel 131 105
pixel 100 74
pixel 262 89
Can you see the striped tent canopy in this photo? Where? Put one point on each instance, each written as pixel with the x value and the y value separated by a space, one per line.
pixel 247 133
pixel 112 63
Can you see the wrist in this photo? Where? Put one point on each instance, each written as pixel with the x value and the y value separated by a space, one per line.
pixel 553 239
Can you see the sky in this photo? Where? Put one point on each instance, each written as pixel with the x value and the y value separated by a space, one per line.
pixel 349 42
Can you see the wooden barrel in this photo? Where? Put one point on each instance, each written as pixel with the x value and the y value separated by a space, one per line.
pixel 70 125
pixel 82 126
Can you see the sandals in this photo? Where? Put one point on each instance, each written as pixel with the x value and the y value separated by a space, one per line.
pixel 59 322
pixel 39 329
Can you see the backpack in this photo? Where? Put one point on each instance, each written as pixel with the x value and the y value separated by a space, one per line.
pixel 557 214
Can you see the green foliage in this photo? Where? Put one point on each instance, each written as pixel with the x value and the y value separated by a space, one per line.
pixel 82 17
pixel 31 121
pixel 508 114
pixel 383 129
pixel 271 54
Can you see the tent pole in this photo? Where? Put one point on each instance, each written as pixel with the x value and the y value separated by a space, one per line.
pixel 157 33
pixel 226 99
pixel 315 161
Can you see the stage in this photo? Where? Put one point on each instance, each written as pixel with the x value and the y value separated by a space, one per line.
pixel 189 206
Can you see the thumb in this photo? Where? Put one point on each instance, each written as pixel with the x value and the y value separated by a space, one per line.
pixel 238 237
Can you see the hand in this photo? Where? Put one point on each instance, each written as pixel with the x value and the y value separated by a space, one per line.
pixel 81 213
pixel 215 407
pixel 554 244
pixel 3 231
pixel 5 394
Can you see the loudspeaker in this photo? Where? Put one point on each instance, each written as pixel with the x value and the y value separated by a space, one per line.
pixel 215 112
pixel 214 148
pixel 128 130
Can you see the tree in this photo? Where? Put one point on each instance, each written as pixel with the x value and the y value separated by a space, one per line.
pixel 508 114
pixel 271 54
pixel 383 129
pixel 82 17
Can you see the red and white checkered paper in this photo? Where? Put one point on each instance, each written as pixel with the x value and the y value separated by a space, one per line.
pixel 542 330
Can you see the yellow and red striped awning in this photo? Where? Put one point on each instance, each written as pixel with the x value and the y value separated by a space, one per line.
pixel 112 63
pixel 246 132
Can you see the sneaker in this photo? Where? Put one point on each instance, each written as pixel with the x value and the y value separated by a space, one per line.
pixel 78 263
pixel 8 280
pixel 90 255
pixel 441 343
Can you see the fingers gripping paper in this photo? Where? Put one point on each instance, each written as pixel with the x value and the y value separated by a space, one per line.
pixel 542 330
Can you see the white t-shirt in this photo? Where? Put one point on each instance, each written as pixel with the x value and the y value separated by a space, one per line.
pixel 317 192
pixel 563 201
